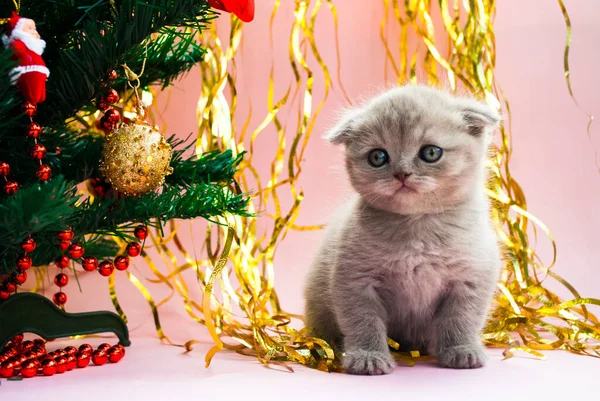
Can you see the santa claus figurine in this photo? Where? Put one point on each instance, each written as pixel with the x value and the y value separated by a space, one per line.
pixel 31 74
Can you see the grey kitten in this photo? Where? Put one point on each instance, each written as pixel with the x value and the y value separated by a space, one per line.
pixel 413 256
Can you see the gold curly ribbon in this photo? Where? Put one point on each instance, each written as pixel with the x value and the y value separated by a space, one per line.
pixel 527 316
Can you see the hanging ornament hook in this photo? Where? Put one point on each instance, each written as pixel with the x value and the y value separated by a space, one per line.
pixel 133 80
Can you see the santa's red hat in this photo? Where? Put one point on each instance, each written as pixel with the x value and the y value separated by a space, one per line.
pixel 14 22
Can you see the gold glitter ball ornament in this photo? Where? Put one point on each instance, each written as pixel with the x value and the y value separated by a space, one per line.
pixel 135 158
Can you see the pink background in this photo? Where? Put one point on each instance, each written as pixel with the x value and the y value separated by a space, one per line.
pixel 554 160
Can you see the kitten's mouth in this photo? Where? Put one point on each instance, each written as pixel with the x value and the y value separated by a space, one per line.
pixel 403 189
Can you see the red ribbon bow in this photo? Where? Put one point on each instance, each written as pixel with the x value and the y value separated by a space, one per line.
pixel 243 9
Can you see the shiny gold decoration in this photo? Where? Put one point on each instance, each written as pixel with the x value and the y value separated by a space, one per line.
pixel 135 158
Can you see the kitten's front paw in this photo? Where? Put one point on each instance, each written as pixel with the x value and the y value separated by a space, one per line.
pixel 463 357
pixel 362 362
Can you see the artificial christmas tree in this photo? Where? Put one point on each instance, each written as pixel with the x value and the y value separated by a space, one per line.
pixel 99 58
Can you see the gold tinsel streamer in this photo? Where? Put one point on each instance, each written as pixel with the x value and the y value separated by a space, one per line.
pixel 242 310
pixel 527 316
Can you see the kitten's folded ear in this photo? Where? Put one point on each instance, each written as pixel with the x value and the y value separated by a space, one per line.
pixel 479 118
pixel 341 132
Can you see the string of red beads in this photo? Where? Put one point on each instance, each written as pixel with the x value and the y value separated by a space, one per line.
pixel 31 358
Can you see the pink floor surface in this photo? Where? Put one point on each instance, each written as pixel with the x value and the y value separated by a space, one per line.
pixel 152 371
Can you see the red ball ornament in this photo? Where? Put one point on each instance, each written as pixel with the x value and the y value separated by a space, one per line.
pixel 83 359
pixel 112 75
pixel 114 355
pixel 103 347
pixel 61 364
pixel 106 125
pixel 39 351
pixel 21 277
pixel 112 96
pixel 76 251
pixel 38 151
pixel 49 367
pixel 141 232
pixel 102 104
pixel 112 115
pixel 61 280
pixel 62 261
pixel 60 352
pixel 71 362
pixel 11 188
pixel 106 268
pixel 64 245
pixel 24 262
pixel 30 354
pixel 7 369
pixel 70 350
pixel 10 287
pixel 89 263
pixel 29 368
pixel 60 298
pixel 27 345
pixel 133 249
pixel 121 262
pixel 34 130
pixel 4 294
pixel 43 172
pixel 66 235
pixel 39 342
pixel 99 357
pixel 28 245
pixel 29 109
pixel 86 349
pixel 18 339
pixel 119 346
pixel 4 169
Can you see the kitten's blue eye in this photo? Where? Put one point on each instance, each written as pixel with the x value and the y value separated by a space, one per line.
pixel 430 153
pixel 378 158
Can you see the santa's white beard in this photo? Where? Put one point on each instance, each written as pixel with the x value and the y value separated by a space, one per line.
pixel 33 44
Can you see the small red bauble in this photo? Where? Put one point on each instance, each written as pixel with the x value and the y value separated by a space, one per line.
pixel 7 369
pixel 112 115
pixel 76 251
pixel 64 245
pixel 10 287
pixel 39 342
pixel 102 104
pixel 83 359
pixel 61 364
pixel 21 277
pixel 114 355
pixel 99 357
pixel 70 350
pixel 60 352
pixel 103 347
pixel 43 172
pixel 141 232
pixel 18 339
pixel 27 345
pixel 106 268
pixel 34 130
pixel 89 263
pixel 11 188
pixel 30 354
pixel 133 249
pixel 29 368
pixel 38 151
pixel 62 261
pixel 119 346
pixel 29 109
pixel 112 75
pixel 61 280
pixel 49 367
pixel 60 298
pixel 86 349
pixel 57 150
pixel 38 351
pixel 112 96
pixel 4 169
pixel 66 235
pixel 24 262
pixel 121 262
pixel 28 245
pixel 107 125
pixel 71 362
pixel 4 294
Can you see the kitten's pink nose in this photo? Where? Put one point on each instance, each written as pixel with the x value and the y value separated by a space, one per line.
pixel 402 176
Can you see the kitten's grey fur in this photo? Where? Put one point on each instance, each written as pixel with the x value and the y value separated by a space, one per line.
pixel 417 265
